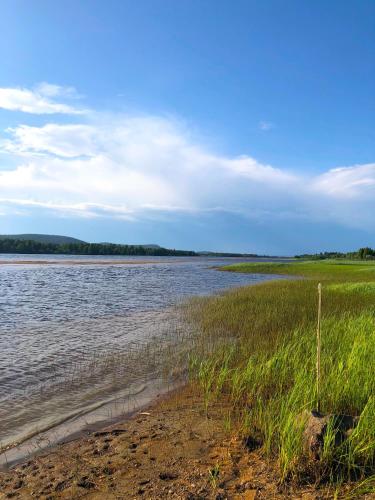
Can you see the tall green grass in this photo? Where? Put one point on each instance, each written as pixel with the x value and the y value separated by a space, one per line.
pixel 266 361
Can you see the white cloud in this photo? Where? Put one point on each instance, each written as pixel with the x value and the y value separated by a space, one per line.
pixel 144 163
pixel 61 140
pixel 52 90
pixel 134 167
pixel 265 126
pixel 39 100
pixel 357 181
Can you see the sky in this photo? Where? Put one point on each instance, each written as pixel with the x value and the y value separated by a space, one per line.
pixel 240 126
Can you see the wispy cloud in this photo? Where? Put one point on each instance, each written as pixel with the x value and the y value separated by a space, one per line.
pixel 43 99
pixel 357 181
pixel 85 210
pixel 53 90
pixel 67 141
pixel 265 126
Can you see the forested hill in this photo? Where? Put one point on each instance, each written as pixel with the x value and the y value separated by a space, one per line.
pixel 10 245
pixel 42 238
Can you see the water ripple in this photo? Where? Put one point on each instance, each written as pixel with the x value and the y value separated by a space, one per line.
pixel 57 321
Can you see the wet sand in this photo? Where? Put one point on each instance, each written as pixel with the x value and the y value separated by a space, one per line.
pixel 170 450
pixel 98 415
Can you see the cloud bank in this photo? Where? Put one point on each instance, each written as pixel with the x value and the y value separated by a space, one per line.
pixel 134 167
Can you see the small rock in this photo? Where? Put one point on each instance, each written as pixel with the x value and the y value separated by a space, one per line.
pixel 101 433
pixel 143 482
pixel 168 476
pixel 108 471
pixel 220 496
pixel 61 485
pixel 18 484
pixel 117 432
pixel 252 443
pixel 85 483
pixel 316 429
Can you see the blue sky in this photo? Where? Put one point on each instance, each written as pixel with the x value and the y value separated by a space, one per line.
pixel 237 126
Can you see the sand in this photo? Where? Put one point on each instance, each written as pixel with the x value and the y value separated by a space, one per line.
pixel 171 450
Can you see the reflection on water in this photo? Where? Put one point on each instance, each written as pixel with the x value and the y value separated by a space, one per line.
pixel 71 336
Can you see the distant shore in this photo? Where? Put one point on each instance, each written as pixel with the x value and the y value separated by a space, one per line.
pixel 86 260
pixel 77 262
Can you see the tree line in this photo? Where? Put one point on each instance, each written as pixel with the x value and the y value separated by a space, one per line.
pixel 37 247
pixel 365 253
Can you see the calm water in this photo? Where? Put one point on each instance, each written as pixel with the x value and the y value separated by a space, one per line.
pixel 67 331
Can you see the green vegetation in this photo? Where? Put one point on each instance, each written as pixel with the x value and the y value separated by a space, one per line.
pixel 232 254
pixel 54 244
pixel 363 287
pixel 325 271
pixel 264 363
pixel 43 238
pixel 38 247
pixel 362 254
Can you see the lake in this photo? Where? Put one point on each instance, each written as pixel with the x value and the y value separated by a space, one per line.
pixel 74 336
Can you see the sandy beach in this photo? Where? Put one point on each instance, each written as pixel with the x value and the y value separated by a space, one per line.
pixel 169 450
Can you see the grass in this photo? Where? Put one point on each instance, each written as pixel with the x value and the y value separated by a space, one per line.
pixel 364 287
pixel 265 363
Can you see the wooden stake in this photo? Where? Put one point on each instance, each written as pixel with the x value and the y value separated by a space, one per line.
pixel 318 346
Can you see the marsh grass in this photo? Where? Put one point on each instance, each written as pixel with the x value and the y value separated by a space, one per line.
pixel 266 364
pixel 362 287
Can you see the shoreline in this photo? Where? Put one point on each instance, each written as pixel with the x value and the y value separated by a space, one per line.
pixel 78 262
pixel 35 439
pixel 169 449
pixel 76 427
pixel 97 417
pixel 85 259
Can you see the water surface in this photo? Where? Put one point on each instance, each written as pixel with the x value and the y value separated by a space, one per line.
pixel 72 336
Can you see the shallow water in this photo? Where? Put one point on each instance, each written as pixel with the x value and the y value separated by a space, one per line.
pixel 73 335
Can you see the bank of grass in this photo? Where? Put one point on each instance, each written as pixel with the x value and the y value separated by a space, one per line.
pixel 265 363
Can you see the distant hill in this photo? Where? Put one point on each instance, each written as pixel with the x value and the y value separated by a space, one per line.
pixel 153 246
pixel 54 244
pixel 41 238
pixel 231 254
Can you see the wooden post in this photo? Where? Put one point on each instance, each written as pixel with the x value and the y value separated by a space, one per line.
pixel 318 346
